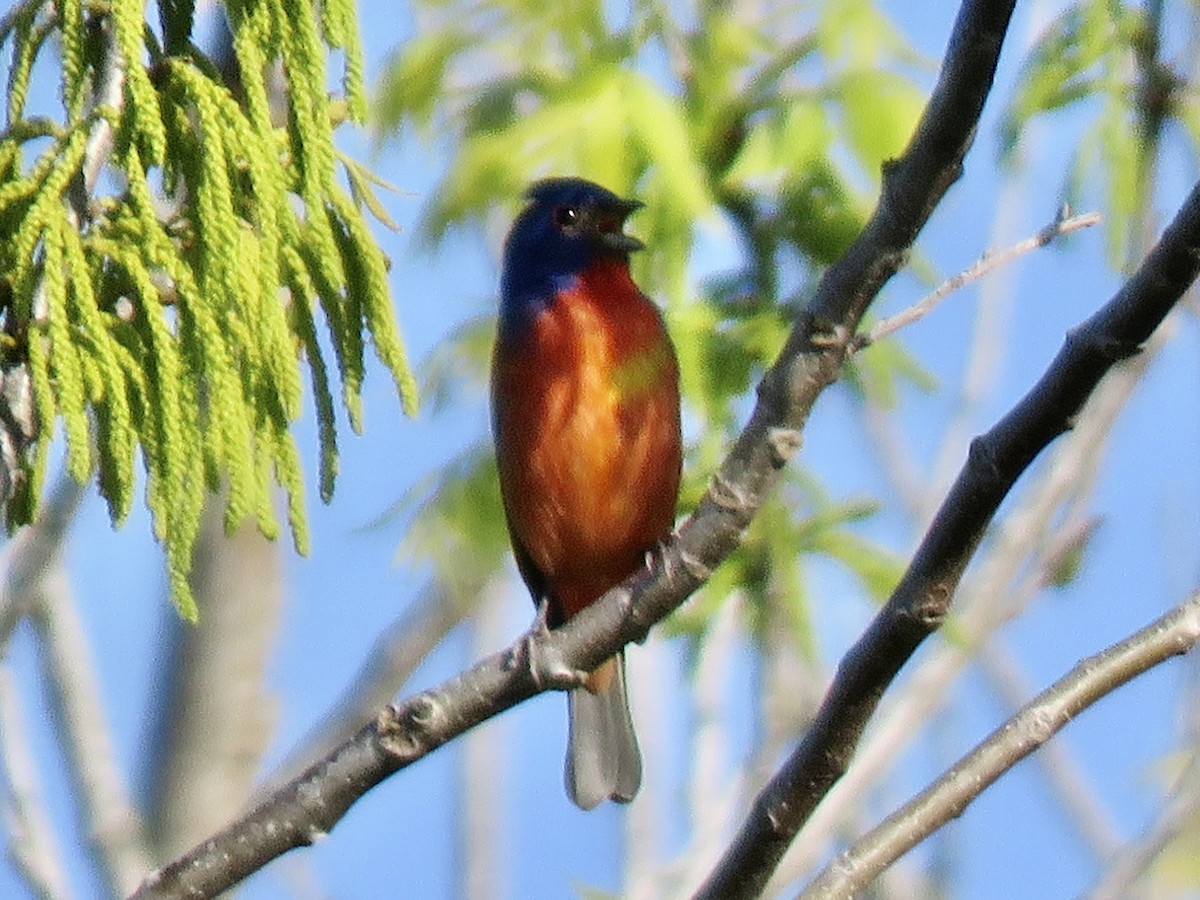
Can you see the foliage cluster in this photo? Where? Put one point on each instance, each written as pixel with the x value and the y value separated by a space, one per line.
pixel 170 235
pixel 771 124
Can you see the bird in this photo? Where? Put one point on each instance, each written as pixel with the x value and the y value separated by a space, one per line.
pixel 586 425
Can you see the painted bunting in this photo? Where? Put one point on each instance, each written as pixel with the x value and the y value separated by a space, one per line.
pixel 585 416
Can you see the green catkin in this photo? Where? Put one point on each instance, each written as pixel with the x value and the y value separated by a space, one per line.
pixel 175 463
pixel 10 162
pixel 74 83
pixel 183 337
pixel 290 475
pixel 344 334
pixel 19 189
pixel 378 313
pixel 304 62
pixel 93 378
pixel 97 346
pixel 261 247
pixel 230 432
pixel 253 64
pixel 66 369
pixel 164 370
pixel 206 328
pixel 303 295
pixel 28 39
pixel 348 303
pixel 142 108
pixel 46 205
pixel 341 31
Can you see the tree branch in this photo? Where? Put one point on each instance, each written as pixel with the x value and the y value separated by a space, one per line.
pixel 398 650
pixel 1063 224
pixel 1136 860
pixel 31 842
pixel 1042 718
pixel 312 803
pixel 111 821
pixel 997 590
pixel 921 600
pixel 1077 797
pixel 31 553
pixel 214 714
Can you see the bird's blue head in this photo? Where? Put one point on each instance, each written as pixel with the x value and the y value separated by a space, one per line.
pixel 569 224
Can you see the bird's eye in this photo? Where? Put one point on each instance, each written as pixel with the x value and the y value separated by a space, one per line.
pixel 565 216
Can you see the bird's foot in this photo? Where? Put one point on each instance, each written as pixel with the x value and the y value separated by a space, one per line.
pixel 546 666
pixel 659 551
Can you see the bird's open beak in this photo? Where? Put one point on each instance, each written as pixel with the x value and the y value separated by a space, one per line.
pixel 611 220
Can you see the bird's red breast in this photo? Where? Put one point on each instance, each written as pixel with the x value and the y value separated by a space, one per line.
pixel 586 400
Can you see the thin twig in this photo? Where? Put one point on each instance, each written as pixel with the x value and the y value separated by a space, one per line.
pixel 1077 797
pixel 1062 224
pixel 990 334
pixel 113 824
pixel 921 600
pixel 397 651
pixel 1042 718
pixel 31 840
pixel 991 595
pixel 1136 860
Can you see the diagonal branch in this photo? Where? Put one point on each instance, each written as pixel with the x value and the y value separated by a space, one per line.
pixel 1063 224
pixel 113 825
pixel 921 600
pixel 1136 862
pixel 30 837
pixel 312 803
pixel 1038 721
pixel 408 640
pixel 999 587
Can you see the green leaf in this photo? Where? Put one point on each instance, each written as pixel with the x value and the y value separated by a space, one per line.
pixel 362 187
pixel 881 110
pixel 458 523
pixel 413 81
pixel 822 213
pixel 883 368
pixel 1120 149
pixel 1087 49
pixel 856 35
pixel 657 125
pixel 780 144
pixel 582 126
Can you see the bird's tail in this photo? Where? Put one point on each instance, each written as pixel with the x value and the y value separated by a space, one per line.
pixel 603 760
